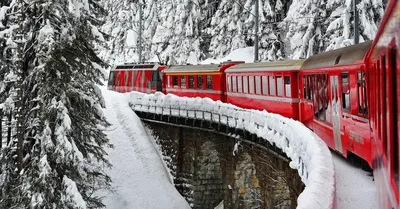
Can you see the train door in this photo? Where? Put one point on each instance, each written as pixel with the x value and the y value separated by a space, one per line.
pixel 306 103
pixel 336 112
pixel 111 81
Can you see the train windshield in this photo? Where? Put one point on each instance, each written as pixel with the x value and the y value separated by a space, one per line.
pixel 111 79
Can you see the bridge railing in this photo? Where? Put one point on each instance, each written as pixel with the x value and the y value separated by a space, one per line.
pixel 308 153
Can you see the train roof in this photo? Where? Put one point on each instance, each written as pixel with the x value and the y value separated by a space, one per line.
pixel 193 68
pixel 137 66
pixel 342 56
pixel 287 65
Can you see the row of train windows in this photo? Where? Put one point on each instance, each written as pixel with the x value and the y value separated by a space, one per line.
pixel 266 85
pixel 316 90
pixel 155 76
pixel 386 107
pixel 193 82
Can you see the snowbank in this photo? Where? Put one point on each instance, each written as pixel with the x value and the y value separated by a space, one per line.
pixel 309 154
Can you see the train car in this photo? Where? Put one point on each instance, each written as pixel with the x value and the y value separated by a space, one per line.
pixel 333 100
pixel 270 86
pixel 383 80
pixel 197 80
pixel 145 77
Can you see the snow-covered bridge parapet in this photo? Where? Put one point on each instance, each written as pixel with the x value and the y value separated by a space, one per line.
pixel 308 153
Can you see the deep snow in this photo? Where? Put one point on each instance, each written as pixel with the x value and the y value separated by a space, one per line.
pixel 140 179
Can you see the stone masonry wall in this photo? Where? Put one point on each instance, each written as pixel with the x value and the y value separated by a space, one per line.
pixel 206 172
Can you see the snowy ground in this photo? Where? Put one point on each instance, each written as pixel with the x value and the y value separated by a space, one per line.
pixel 354 187
pixel 140 179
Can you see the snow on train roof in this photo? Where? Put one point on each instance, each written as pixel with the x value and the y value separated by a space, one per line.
pixel 137 66
pixel 286 65
pixel 342 56
pixel 193 68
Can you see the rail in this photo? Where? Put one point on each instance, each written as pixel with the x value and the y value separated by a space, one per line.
pixel 308 153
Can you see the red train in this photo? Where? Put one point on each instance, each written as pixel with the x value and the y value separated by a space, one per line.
pixel 383 83
pixel 349 97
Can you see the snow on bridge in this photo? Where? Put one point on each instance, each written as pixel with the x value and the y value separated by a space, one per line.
pixel 309 154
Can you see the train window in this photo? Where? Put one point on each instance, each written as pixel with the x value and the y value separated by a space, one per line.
pixel 239 84
pixel 362 93
pixel 316 95
pixel 111 78
pixel 200 82
pixel 175 81
pixel 258 85
pixel 310 87
pixel 245 84
pixel 183 81
pixel 234 86
pixel 395 131
pixel 383 101
pixel 118 81
pixel 264 83
pixel 279 85
pixel 251 84
pixel 323 96
pixel 209 82
pixel 229 83
pixel 133 78
pixel 271 85
pixel 191 82
pixel 345 91
pixel 126 78
pixel 287 86
pixel 305 85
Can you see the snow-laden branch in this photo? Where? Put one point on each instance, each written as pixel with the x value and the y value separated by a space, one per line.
pixel 309 154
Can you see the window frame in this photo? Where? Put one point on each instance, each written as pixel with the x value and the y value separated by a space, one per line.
pixel 175 81
pixel 264 85
pixel 279 86
pixel 251 84
pixel 239 84
pixel 234 83
pixel 245 80
pixel 345 106
pixel 190 82
pixel 209 82
pixel 272 91
pixel 200 82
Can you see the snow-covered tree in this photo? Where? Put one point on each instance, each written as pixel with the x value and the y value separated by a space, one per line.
pixel 122 24
pixel 57 157
pixel 185 31
pixel 318 26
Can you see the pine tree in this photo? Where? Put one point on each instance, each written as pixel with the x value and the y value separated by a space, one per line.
pixel 318 26
pixel 57 158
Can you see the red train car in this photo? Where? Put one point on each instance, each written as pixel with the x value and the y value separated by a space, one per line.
pixel 197 80
pixel 333 100
pixel 383 80
pixel 146 78
pixel 270 86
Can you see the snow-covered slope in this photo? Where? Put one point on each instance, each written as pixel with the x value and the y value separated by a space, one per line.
pixel 139 177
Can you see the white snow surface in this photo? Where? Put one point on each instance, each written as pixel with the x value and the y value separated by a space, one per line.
pixel 309 154
pixel 140 179
pixel 354 187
